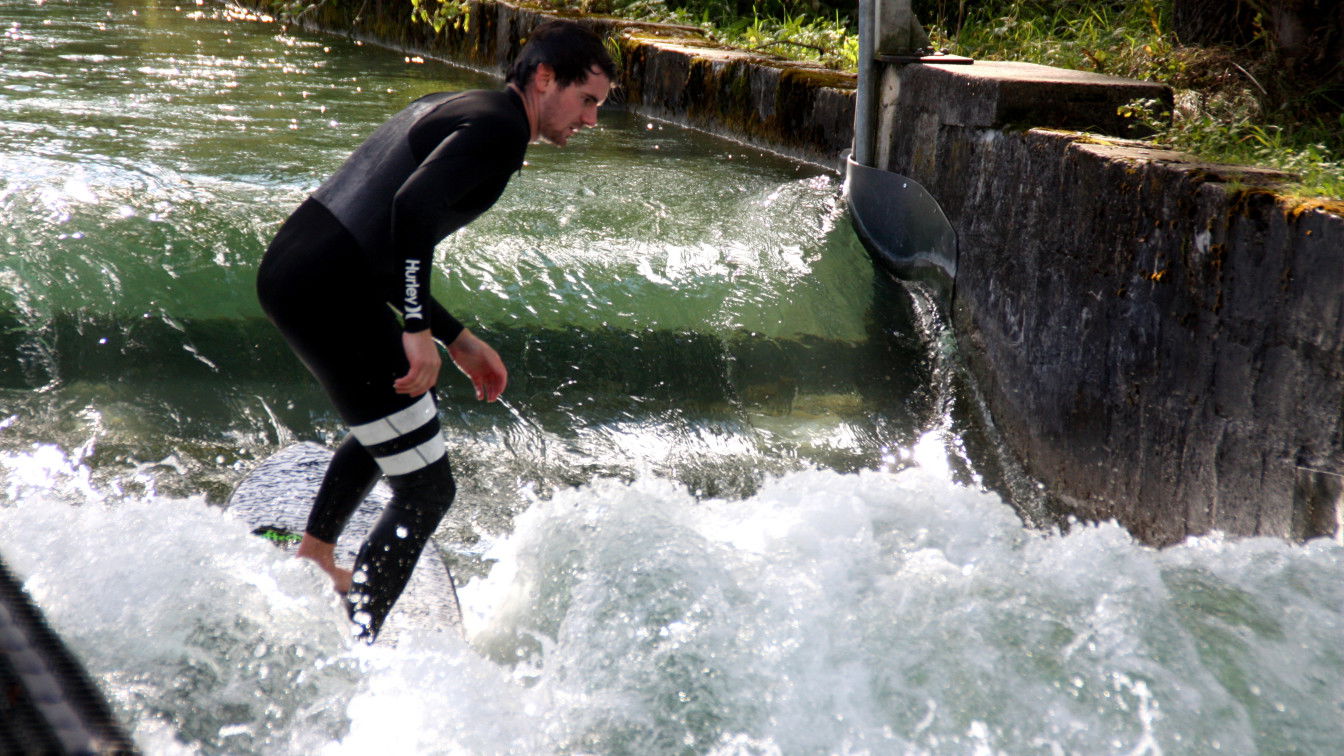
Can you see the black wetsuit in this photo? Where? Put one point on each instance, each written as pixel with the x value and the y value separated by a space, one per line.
pixel 359 248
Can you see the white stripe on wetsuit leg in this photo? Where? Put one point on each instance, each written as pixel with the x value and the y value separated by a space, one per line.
pixel 396 424
pixel 414 458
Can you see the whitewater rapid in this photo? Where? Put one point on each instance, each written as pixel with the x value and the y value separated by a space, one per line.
pixel 875 612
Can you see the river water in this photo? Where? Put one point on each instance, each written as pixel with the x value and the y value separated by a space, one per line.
pixel 727 508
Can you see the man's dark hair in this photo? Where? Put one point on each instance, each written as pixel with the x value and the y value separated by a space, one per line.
pixel 571 50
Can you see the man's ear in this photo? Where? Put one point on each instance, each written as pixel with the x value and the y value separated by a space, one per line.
pixel 544 77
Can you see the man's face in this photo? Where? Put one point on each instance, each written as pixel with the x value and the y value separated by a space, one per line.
pixel 565 110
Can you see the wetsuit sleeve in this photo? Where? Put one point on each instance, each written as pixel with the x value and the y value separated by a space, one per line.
pixel 454 184
pixel 442 324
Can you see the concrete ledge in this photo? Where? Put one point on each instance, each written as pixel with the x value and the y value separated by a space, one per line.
pixel 916 101
pixel 999 94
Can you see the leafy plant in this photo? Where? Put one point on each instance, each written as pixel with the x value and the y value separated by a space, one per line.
pixel 438 14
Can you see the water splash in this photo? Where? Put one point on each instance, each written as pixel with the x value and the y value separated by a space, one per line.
pixel 897 613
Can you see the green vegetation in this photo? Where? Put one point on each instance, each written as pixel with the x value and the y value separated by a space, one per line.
pixel 791 29
pixel 440 13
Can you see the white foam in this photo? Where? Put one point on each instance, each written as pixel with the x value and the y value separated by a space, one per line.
pixel 829 613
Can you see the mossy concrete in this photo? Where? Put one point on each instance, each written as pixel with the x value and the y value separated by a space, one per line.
pixel 1158 340
pixel 668 72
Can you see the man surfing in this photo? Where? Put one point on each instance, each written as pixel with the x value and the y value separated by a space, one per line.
pixel 346 281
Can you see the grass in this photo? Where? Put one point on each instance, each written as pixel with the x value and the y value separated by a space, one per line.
pixel 780 28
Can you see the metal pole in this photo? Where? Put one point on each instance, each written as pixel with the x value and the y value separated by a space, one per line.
pixel 863 100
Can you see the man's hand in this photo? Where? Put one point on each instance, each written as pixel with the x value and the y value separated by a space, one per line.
pixel 481 364
pixel 423 355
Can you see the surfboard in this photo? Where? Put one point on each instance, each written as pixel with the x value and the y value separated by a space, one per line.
pixel 273 500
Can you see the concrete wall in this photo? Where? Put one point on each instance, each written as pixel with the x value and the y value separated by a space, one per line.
pixel 1158 340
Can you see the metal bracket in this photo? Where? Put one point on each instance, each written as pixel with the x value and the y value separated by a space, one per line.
pixel 934 57
pixel 899 37
pixel 898 32
pixel 888 33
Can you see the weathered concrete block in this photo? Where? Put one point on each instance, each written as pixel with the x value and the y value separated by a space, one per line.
pixel 1003 94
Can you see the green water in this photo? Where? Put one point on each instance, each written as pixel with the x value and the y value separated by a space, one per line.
pixel 665 301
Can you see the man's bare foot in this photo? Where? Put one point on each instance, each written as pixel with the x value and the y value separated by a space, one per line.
pixel 323 554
